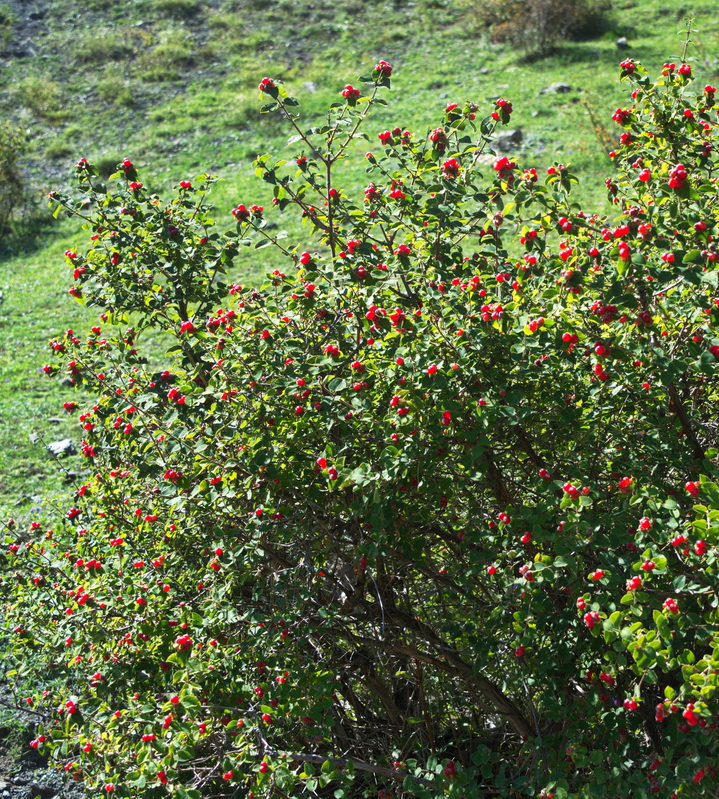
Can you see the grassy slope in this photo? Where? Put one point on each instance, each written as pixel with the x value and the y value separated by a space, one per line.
pixel 172 84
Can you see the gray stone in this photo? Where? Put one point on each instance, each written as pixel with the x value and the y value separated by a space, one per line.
pixel 62 448
pixel 556 88
pixel 622 43
pixel 508 140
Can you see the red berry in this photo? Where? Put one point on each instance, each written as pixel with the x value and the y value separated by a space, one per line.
pixel 692 489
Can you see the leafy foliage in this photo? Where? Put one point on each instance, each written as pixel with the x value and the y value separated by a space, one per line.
pixel 539 25
pixel 13 190
pixel 432 512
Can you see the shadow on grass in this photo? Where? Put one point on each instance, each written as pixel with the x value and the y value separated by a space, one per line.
pixel 27 235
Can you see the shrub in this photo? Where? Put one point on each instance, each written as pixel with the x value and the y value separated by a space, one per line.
pixel 115 88
pixel 13 188
pixel 106 165
pixel 8 20
pixel 538 25
pixel 168 59
pixel 433 511
pixel 42 96
pixel 102 46
pixel 178 9
pixel 8 17
pixel 58 148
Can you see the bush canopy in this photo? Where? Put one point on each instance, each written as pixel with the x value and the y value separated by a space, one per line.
pixel 432 512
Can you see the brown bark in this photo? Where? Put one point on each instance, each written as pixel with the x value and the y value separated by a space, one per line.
pixel 677 408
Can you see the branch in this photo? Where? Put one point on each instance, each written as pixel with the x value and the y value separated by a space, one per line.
pixel 677 407
pixel 23 709
pixel 395 774
pixel 452 664
pixel 496 479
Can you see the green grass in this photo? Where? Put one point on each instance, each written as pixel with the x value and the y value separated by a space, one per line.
pixel 172 84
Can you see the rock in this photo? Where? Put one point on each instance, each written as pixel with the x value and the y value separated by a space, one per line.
pixel 507 140
pixel 622 43
pixel 310 86
pixel 54 420
pixel 556 88
pixel 34 438
pixel 41 791
pixel 62 448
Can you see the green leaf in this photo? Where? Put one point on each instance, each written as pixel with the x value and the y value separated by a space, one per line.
pixel 662 625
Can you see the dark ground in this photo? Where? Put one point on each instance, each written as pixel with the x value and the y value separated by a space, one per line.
pixel 24 772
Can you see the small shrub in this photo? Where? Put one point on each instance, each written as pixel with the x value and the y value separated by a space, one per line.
pixel 13 188
pixel 106 165
pixel 538 25
pixel 114 88
pixel 59 148
pixel 168 59
pixel 222 21
pixel 101 46
pixel 8 17
pixel 178 9
pixel 8 20
pixel 229 32
pixel 42 96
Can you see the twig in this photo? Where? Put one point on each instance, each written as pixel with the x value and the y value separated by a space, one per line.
pixel 22 709
pixel 360 765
